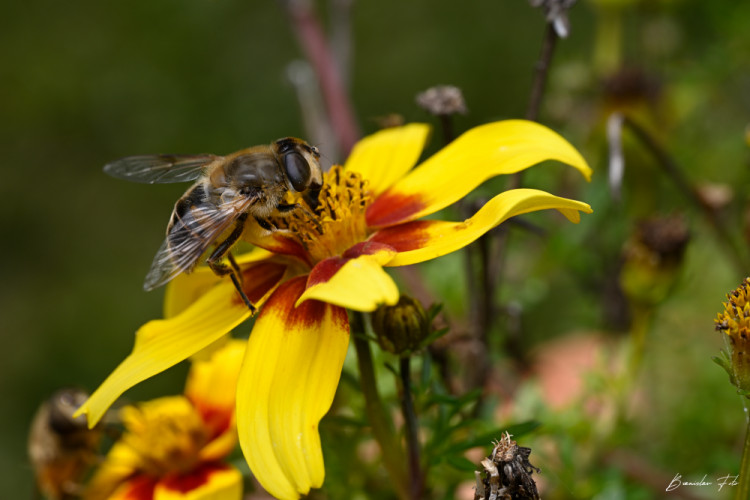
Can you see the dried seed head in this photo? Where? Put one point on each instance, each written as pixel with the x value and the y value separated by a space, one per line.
pixel 507 473
pixel 442 100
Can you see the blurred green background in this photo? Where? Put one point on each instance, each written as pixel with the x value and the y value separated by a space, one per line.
pixel 82 84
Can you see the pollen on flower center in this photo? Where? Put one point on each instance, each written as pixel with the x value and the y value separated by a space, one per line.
pixel 166 433
pixel 735 319
pixel 338 220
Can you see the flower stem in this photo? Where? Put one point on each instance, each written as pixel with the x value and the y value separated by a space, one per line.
pixel 540 73
pixel 317 49
pixel 376 414
pixel 743 490
pixel 412 436
pixel 676 174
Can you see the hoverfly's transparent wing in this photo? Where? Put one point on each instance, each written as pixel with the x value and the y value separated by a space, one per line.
pixel 189 236
pixel 159 169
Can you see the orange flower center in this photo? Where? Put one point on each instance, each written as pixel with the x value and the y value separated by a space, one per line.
pixel 337 222
pixel 167 434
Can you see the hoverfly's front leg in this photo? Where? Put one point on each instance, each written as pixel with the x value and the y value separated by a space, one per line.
pixel 285 208
pixel 221 269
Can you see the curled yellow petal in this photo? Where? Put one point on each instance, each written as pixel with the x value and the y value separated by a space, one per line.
pixel 288 379
pixel 481 153
pixel 161 344
pixel 356 282
pixel 427 239
pixel 385 156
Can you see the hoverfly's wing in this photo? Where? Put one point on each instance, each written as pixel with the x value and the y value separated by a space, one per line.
pixel 159 169
pixel 190 235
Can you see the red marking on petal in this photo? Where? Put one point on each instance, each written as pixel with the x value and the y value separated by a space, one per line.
pixel 258 279
pixel 194 479
pixel 140 487
pixel 404 237
pixel 280 244
pixel 391 208
pixel 325 269
pixel 309 313
pixel 366 248
pixel 217 418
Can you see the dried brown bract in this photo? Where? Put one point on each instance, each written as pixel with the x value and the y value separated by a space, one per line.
pixel 507 473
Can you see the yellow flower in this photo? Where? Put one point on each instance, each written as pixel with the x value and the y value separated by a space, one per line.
pixel 172 447
pixel 317 262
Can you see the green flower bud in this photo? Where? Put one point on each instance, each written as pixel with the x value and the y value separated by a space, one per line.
pixel 401 328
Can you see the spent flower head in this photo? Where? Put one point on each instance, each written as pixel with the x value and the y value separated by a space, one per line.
pixel 313 264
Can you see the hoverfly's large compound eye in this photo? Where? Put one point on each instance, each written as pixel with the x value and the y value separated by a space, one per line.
pixel 297 170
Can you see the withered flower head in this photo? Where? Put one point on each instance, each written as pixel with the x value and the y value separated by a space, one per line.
pixel 507 473
pixel 442 100
pixel 734 321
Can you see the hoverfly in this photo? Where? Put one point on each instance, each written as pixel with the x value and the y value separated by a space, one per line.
pixel 228 189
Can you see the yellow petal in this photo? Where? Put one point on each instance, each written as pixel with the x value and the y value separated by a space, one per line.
pixel 121 463
pixel 161 344
pixel 212 385
pixel 187 288
pixel 355 281
pixel 210 482
pixel 426 239
pixel 384 157
pixel 139 487
pixel 288 379
pixel 481 153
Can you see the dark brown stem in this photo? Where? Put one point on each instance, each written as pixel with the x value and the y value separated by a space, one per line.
pixel 675 173
pixel 538 85
pixel 540 72
pixel 412 434
pixel 315 46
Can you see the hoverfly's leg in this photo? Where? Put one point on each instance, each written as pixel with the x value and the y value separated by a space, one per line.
pixel 235 266
pixel 311 197
pixel 221 269
pixel 263 223
pixel 284 208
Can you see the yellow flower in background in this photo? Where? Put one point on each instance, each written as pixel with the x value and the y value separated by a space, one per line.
pixel 172 447
pixel 314 264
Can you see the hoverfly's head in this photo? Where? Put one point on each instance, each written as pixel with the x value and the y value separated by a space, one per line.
pixel 300 163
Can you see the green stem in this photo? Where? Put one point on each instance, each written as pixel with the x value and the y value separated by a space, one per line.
pixel 743 490
pixel 412 434
pixel 381 424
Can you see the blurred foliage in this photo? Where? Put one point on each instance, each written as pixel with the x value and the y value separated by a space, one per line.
pixel 82 85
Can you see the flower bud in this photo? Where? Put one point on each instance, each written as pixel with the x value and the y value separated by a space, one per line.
pixel 653 258
pixel 734 321
pixel 401 328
